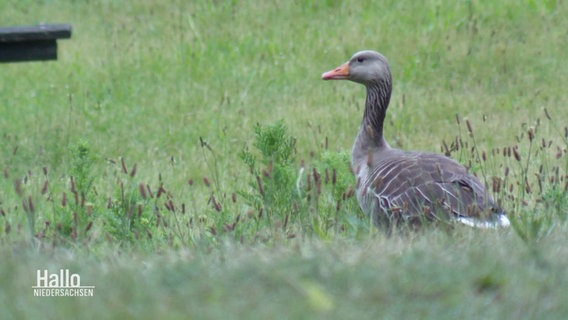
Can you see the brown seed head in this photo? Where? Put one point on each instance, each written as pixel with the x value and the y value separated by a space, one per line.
pixel 142 190
pixel 516 154
pixel 124 170
pixel 468 127
pixel 133 171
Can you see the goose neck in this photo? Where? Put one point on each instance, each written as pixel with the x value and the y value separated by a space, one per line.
pixel 378 97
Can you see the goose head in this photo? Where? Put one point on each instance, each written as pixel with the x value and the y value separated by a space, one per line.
pixel 366 67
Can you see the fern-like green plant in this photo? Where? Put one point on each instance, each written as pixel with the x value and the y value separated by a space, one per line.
pixel 82 161
pixel 271 165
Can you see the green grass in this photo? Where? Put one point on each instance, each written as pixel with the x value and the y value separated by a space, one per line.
pixel 185 158
pixel 432 275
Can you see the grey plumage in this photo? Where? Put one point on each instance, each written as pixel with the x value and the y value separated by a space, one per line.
pixel 396 185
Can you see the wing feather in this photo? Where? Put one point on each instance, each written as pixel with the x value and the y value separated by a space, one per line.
pixel 407 185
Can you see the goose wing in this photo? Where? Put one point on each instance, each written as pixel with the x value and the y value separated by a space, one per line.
pixel 412 185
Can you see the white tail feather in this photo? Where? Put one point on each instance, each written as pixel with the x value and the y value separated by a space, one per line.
pixel 500 221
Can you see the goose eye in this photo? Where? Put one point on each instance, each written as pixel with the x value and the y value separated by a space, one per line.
pixel 360 59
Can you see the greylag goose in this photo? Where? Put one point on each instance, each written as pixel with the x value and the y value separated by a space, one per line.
pixel 401 186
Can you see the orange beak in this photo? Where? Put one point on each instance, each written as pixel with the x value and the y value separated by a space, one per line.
pixel 339 73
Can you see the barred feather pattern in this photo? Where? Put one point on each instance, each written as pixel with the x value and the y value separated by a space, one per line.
pixel 414 186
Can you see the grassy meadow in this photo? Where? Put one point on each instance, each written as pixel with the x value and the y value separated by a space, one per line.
pixel 185 158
